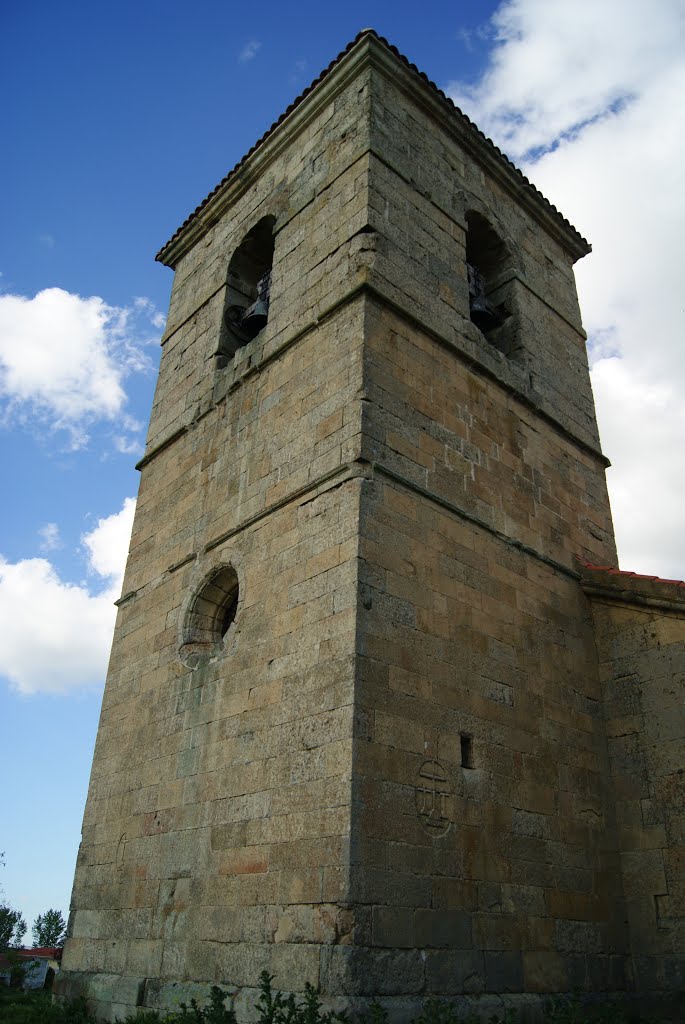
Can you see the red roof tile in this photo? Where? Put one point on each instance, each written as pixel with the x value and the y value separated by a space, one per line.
pixel 40 952
pixel 613 571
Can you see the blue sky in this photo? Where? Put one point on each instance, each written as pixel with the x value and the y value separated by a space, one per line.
pixel 118 120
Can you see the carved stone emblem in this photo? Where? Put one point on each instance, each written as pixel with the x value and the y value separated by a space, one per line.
pixel 433 799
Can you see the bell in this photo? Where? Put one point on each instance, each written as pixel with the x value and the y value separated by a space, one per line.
pixel 255 317
pixel 483 314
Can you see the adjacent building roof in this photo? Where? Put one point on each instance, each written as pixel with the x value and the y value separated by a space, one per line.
pixel 39 953
pixel 627 574
pixel 632 587
pixel 53 952
pixel 453 111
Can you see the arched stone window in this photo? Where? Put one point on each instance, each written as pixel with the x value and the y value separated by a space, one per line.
pixel 490 277
pixel 248 287
pixel 209 617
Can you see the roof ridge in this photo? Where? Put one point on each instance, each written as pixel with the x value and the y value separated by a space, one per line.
pixel 324 74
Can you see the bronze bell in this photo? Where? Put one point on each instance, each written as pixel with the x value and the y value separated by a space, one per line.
pixel 483 313
pixel 255 317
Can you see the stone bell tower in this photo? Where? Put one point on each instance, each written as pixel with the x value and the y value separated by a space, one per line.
pixel 352 727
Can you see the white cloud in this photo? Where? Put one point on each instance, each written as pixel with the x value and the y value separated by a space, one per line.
pixel 588 96
pixel 646 486
pixel 127 445
pixel 56 635
pixel 64 358
pixel 145 305
pixel 249 51
pixel 556 67
pixel 50 538
pixel 107 544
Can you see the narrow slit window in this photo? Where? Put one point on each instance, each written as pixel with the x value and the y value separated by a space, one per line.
pixel 466 751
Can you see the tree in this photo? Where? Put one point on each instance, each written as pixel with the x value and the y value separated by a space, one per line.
pixel 12 927
pixel 49 929
pixel 12 924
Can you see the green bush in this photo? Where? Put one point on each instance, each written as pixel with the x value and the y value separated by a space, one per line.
pixel 17 1007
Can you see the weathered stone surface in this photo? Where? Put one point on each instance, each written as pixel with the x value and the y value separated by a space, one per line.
pixel 418 748
pixel 641 647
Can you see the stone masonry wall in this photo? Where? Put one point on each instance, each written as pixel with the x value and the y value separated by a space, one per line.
pixel 316 189
pixel 437 423
pixel 640 629
pixel 392 777
pixel 502 876
pixel 485 852
pixel 467 634
pixel 216 834
pixel 423 183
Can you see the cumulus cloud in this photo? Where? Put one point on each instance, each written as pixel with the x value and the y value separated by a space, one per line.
pixel 557 67
pixel 587 98
pixel 56 635
pixel 107 544
pixel 249 51
pixel 64 358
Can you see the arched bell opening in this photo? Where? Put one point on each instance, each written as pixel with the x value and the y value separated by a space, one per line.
pixel 248 290
pixel 489 269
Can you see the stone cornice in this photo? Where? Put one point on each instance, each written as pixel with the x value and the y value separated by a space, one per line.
pixel 480 148
pixel 369 50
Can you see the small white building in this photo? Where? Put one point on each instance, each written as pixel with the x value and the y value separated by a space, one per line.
pixel 41 963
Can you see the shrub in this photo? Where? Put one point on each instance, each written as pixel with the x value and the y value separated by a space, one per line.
pixel 17 1007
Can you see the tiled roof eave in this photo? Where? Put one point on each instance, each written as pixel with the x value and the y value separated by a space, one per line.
pixel 485 152
pixel 265 150
pixel 345 65
pixel 610 583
